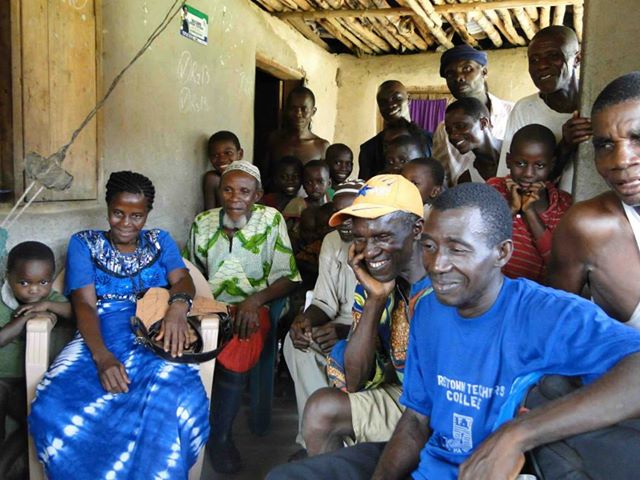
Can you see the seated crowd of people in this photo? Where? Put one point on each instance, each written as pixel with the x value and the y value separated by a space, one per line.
pixel 422 298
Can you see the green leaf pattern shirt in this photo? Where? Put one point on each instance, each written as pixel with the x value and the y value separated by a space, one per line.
pixel 258 254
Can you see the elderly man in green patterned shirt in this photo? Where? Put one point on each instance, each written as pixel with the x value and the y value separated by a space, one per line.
pixel 244 251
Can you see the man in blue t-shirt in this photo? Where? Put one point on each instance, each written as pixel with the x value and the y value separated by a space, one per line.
pixel 474 350
pixel 476 347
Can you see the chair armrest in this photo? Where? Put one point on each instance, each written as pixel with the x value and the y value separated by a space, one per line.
pixel 209 327
pixel 37 352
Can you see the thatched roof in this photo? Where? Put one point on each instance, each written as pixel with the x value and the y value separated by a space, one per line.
pixel 378 27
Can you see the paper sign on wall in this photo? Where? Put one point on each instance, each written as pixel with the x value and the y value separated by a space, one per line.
pixel 195 24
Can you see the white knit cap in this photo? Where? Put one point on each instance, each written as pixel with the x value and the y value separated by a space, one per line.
pixel 246 167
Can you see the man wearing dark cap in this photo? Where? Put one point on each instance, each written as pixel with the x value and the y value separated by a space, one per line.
pixel 465 70
pixel 554 67
pixel 393 103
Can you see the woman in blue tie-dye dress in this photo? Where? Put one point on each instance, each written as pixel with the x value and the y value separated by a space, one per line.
pixel 108 407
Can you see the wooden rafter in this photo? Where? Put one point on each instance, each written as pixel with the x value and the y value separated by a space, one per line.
pixel 437 9
pixel 545 17
pixel 375 27
pixel 528 27
pixel 578 13
pixel 417 6
pixel 558 14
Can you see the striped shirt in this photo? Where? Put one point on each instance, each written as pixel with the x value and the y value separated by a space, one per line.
pixel 530 256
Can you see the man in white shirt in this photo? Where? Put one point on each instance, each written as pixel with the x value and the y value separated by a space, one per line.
pixel 554 61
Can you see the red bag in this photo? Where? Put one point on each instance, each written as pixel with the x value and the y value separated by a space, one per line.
pixel 241 356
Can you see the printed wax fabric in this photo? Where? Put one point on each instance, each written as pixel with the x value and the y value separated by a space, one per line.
pixel 257 255
pixel 393 335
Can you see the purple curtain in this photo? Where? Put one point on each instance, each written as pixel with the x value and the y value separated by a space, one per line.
pixel 428 113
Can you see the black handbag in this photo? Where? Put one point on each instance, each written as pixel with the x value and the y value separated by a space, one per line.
pixel 194 354
pixel 146 329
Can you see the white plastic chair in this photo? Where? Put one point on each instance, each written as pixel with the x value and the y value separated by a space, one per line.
pixel 37 360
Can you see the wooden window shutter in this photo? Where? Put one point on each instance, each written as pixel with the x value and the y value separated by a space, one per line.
pixel 59 83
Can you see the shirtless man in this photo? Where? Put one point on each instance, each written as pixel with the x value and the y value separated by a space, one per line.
pixel 296 138
pixel 594 245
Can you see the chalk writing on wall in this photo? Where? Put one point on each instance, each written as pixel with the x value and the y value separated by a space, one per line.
pixel 77 4
pixel 194 78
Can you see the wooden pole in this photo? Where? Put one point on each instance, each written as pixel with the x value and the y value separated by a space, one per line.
pixel 389 29
pixel 459 23
pixel 435 30
pixel 421 26
pixel 532 12
pixel 407 29
pixel 496 19
pixel 437 9
pixel 308 33
pixel 364 34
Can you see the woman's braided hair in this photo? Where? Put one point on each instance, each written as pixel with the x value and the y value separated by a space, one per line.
pixel 130 182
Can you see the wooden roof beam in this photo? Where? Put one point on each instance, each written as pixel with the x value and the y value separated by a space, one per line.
pixel 417 6
pixel 437 9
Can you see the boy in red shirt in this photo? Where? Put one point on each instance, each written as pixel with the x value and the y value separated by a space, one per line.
pixel 536 204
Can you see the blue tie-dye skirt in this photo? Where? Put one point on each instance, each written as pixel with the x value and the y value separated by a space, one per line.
pixel 154 431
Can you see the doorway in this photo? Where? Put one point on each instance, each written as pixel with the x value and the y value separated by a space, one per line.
pixel 272 87
pixel 6 105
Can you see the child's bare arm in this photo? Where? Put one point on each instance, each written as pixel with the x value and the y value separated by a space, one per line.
pixel 61 309
pixel 535 223
pixel 210 184
pixel 535 196
pixel 13 329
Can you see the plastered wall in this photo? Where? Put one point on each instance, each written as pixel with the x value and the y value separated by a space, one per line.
pixel 609 50
pixel 358 80
pixel 160 115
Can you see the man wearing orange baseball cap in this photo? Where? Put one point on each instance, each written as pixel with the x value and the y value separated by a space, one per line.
pixel 386 257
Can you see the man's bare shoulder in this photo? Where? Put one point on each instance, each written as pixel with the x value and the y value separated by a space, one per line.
pixel 596 218
pixel 321 141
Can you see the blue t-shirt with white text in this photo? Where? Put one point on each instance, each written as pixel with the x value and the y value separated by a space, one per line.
pixel 460 372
